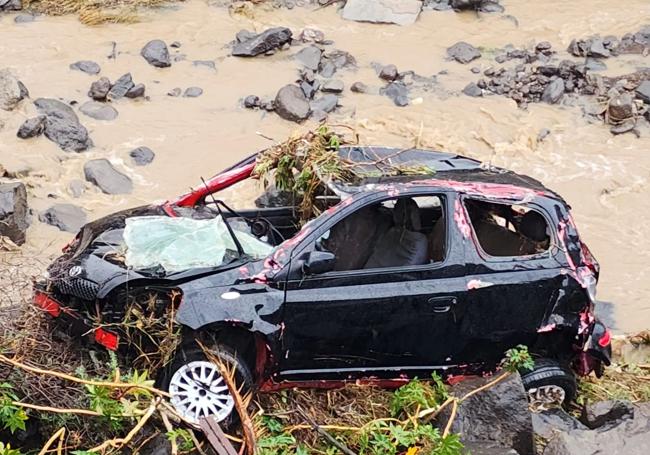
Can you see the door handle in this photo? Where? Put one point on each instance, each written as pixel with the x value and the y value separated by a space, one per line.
pixel 442 304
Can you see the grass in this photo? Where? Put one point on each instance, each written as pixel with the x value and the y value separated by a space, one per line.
pixel 94 12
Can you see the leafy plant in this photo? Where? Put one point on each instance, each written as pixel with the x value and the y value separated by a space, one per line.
pixel 101 401
pixel 5 449
pixel 517 359
pixel 12 417
pixel 419 394
pixel 281 444
pixel 182 437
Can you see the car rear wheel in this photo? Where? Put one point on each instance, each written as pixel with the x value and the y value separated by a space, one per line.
pixel 549 384
pixel 197 388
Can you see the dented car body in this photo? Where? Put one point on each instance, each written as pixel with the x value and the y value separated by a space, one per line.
pixel 397 278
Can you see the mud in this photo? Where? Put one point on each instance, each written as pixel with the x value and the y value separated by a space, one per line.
pixel 604 177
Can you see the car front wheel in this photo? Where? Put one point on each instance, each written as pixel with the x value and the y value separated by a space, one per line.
pixel 197 389
pixel 549 384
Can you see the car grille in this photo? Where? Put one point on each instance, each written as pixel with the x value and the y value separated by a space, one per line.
pixel 79 287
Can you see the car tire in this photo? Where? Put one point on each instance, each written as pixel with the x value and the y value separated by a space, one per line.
pixel 191 362
pixel 548 374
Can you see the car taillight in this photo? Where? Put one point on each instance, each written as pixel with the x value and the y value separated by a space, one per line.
pixel 47 303
pixel 605 339
pixel 107 339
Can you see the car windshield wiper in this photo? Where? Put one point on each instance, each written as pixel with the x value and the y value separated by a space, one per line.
pixel 218 203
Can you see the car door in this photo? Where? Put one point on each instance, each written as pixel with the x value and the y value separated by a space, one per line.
pixel 372 322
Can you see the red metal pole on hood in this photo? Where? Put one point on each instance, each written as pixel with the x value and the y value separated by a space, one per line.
pixel 216 183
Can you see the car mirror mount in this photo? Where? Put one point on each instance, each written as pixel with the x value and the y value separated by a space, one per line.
pixel 316 262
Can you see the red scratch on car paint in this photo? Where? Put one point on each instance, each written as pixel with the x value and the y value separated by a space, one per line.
pixel 243 271
pixel 461 219
pixel 547 328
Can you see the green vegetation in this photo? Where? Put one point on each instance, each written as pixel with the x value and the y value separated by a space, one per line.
pixel 12 417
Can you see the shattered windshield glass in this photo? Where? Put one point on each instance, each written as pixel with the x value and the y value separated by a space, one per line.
pixel 177 244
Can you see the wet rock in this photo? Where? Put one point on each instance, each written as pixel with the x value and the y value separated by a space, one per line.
pixel 193 92
pixel 176 91
pixel 592 64
pixel 142 156
pixel 475 70
pixel 553 91
pixel 491 7
pixel 463 52
pixel 155 52
pixel 244 35
pixel 621 107
pixel 402 12
pixel 308 89
pixel 597 49
pixel 11 5
pixel 99 89
pixel 136 91
pixel 252 102
pixel 340 59
pixel 67 217
pixel 291 103
pixel 327 69
pixel 332 86
pixel 98 111
pixel 12 91
pixel 32 127
pixel 13 211
pixel 207 63
pixel 266 41
pixel 359 87
pixel 309 57
pixel 472 89
pixel 606 413
pixel 311 35
pixel 488 448
pixel 397 92
pixel 273 197
pixel 498 414
pixel 101 173
pixel 388 73
pixel 547 424
pixel 86 66
pixel 121 87
pixel 175 44
pixel 62 125
pixel 643 91
pixel 24 18
pixel 326 103
pixel 76 188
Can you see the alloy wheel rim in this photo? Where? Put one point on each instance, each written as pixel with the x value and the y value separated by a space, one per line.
pixel 198 390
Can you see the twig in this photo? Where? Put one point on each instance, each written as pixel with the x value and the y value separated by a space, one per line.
pixel 485 386
pixel 57 410
pixel 57 374
pixel 343 448
pixel 432 413
pixel 58 435
pixel 169 428
pixel 454 409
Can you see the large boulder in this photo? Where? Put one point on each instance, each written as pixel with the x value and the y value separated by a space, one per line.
pixel 142 156
pixel 401 12
pixel 155 52
pixel 496 416
pixel 62 125
pixel 621 107
pixel 554 91
pixel 11 5
pixel 66 217
pixel 266 41
pixel 13 211
pixel 463 52
pixel 111 181
pixel 604 414
pixel 546 424
pixel 12 91
pixel 291 103
pixel 99 89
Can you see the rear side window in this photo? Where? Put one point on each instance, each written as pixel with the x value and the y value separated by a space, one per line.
pixel 508 230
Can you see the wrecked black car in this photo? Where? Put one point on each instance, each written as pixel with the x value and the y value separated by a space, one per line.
pixel 393 276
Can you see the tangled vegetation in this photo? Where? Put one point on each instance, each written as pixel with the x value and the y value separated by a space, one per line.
pixel 94 12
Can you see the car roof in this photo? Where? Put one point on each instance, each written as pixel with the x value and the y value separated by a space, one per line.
pixel 449 171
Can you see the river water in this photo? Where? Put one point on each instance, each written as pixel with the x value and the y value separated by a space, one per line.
pixel 604 177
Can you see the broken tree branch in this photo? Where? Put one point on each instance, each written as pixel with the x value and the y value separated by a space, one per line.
pixel 59 434
pixel 343 448
pixel 57 410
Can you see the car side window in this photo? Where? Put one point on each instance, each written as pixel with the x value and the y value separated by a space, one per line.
pixel 395 232
pixel 508 230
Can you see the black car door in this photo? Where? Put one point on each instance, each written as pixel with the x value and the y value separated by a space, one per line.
pixel 373 322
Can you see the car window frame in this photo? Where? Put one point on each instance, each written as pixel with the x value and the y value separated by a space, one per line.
pixel 370 199
pixel 553 240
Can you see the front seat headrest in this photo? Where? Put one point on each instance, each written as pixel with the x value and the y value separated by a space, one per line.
pixel 406 215
pixel 533 226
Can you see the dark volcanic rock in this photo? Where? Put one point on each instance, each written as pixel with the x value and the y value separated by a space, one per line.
pixel 66 217
pixel 309 57
pixel 291 103
pixel 397 92
pixel 332 86
pixel 593 64
pixel 359 87
pixel 472 89
pixel 193 92
pixel 463 52
pixel 553 91
pixel 136 91
pixel 11 5
pixel 155 52
pixel 266 41
pixel 12 91
pixel 326 103
pixel 621 107
pixel 99 89
pixel 252 102
pixel 547 424
pixel 86 66
pixel 206 63
pixel 98 111
pixel 486 6
pixel 606 413
pixel 62 125
pixel 24 18
pixel 121 87
pixel 142 156
pixel 388 73
pixel 32 127
pixel 643 91
pixel 13 211
pixel 498 415
pixel 102 173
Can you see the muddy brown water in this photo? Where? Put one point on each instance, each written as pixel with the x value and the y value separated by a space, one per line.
pixel 604 177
